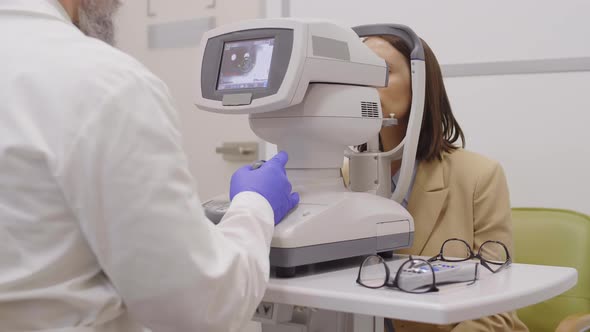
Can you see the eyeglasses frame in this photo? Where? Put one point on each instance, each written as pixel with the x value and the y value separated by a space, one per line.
pixel 483 261
pixel 394 283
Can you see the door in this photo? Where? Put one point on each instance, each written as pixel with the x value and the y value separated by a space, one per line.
pixel 173 58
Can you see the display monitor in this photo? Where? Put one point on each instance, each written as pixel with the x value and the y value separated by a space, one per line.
pixel 245 64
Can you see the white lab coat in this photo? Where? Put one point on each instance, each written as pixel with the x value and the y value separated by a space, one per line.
pixel 101 229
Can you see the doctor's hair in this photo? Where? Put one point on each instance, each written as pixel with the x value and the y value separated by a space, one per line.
pixel 440 130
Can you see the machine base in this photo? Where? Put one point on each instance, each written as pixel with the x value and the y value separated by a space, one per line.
pixel 285 260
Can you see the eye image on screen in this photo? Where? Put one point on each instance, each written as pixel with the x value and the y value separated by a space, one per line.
pixel 246 64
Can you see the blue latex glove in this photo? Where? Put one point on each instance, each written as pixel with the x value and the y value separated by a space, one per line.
pixel 270 181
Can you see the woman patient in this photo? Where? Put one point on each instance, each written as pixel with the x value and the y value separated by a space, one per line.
pixel 455 193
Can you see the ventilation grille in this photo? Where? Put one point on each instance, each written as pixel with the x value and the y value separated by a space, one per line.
pixel 369 109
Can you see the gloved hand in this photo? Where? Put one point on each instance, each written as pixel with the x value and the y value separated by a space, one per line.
pixel 270 181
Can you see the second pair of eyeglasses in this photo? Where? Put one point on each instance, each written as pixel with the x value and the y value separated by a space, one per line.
pixel 418 275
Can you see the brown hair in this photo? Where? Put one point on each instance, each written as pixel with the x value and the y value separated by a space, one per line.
pixel 440 130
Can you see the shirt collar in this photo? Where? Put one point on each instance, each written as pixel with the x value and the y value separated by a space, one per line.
pixel 48 8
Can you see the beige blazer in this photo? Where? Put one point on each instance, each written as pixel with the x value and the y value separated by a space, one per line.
pixel 463 196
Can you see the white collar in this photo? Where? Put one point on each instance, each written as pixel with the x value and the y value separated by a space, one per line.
pixel 49 8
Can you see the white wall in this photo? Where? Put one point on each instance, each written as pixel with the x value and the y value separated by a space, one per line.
pixel 536 125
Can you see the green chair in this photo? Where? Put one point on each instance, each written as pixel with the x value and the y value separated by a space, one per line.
pixel 559 238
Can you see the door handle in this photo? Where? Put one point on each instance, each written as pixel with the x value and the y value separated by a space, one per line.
pixel 235 150
pixel 238 151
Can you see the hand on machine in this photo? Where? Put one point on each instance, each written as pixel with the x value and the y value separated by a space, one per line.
pixel 269 179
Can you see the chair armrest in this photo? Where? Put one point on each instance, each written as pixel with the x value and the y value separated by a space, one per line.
pixel 574 323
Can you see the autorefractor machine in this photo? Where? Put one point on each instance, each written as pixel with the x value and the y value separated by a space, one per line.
pixel 310 88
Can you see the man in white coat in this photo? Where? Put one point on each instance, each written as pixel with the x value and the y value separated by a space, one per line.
pixel 101 229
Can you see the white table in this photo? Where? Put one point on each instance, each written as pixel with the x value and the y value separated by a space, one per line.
pixel 333 287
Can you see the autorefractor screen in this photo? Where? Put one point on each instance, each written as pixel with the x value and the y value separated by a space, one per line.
pixel 245 64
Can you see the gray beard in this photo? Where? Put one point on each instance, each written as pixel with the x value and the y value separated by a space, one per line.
pixel 95 19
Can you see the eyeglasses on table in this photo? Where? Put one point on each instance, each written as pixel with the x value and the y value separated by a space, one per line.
pixel 418 275
pixel 493 255
pixel 415 275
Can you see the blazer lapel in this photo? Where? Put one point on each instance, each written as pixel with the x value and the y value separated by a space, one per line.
pixel 427 199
